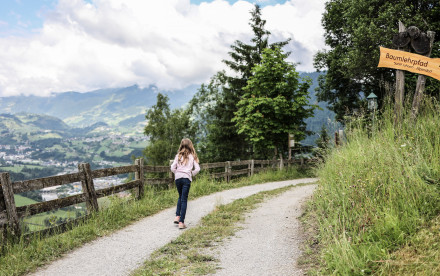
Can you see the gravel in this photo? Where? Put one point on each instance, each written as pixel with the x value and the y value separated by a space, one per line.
pixel 125 250
pixel 269 242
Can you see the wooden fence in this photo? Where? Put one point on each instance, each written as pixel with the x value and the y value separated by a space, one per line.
pixel 10 214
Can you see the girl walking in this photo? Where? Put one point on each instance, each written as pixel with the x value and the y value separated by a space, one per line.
pixel 186 159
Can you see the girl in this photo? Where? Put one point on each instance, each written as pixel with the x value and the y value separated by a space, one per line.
pixel 182 167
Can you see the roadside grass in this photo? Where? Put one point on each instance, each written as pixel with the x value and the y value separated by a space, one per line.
pixel 309 260
pixel 190 253
pixel 420 256
pixel 376 192
pixel 31 252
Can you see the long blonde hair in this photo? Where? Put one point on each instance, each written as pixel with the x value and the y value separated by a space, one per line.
pixel 186 148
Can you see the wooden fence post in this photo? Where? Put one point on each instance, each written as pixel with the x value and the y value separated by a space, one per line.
pixel 139 175
pixel 170 176
pixel 337 141
pixel 251 168
pixel 3 219
pixel 281 162
pixel 9 201
pixel 88 187
pixel 228 170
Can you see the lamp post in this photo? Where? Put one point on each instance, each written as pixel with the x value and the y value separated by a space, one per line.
pixel 372 104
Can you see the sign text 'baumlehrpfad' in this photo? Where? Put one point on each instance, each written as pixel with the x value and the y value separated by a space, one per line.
pixel 410 62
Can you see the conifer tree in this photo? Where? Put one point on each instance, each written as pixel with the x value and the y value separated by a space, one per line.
pixel 222 141
pixel 324 138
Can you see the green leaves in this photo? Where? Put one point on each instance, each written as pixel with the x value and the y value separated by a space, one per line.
pixel 166 129
pixel 354 34
pixel 274 103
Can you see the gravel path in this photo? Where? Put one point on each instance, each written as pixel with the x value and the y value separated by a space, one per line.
pixel 269 242
pixel 125 250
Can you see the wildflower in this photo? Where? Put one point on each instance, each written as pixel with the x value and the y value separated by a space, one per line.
pixel 402 146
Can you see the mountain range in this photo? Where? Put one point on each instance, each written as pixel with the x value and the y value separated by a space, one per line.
pixel 116 108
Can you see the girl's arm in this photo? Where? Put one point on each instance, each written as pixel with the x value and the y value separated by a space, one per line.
pixel 174 165
pixel 196 168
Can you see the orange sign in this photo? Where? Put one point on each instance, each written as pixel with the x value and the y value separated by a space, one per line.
pixel 410 62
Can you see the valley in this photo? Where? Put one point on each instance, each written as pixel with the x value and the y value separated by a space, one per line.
pixel 29 150
pixel 35 146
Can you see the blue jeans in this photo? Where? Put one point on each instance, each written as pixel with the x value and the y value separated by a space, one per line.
pixel 182 185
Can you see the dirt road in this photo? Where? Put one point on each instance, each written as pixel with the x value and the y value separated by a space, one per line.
pixel 269 243
pixel 125 250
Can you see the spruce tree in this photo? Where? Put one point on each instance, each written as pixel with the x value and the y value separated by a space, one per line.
pixel 222 141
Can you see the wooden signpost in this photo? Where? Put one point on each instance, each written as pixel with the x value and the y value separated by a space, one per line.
pixel 402 60
pixel 410 62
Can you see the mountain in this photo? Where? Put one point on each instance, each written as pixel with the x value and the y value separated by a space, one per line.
pixel 125 108
pixel 23 127
pixel 111 106
pixel 42 121
pixel 322 117
pixel 24 122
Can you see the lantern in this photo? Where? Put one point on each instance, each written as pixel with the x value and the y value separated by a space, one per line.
pixel 372 101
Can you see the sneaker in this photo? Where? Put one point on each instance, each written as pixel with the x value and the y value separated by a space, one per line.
pixel 182 225
pixel 176 220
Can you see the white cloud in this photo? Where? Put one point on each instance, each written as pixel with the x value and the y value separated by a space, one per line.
pixel 301 21
pixel 169 43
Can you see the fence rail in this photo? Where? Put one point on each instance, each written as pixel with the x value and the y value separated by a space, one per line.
pixel 10 215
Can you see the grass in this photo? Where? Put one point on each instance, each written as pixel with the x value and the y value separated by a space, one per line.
pixel 36 222
pixel 190 253
pixel 15 169
pixel 22 201
pixel 28 254
pixel 419 256
pixel 377 192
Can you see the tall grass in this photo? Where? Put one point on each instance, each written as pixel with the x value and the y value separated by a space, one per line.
pixel 17 258
pixel 377 190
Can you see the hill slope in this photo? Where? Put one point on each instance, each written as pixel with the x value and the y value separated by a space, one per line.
pixel 106 105
pixel 377 191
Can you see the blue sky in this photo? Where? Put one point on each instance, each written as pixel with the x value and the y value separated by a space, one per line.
pixel 52 46
pixel 18 16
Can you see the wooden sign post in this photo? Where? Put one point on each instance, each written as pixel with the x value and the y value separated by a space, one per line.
pixel 402 60
pixel 400 86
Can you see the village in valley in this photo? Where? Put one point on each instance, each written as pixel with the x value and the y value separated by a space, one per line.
pixel 44 153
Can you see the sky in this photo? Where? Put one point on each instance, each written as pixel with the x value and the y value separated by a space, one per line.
pixel 52 46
